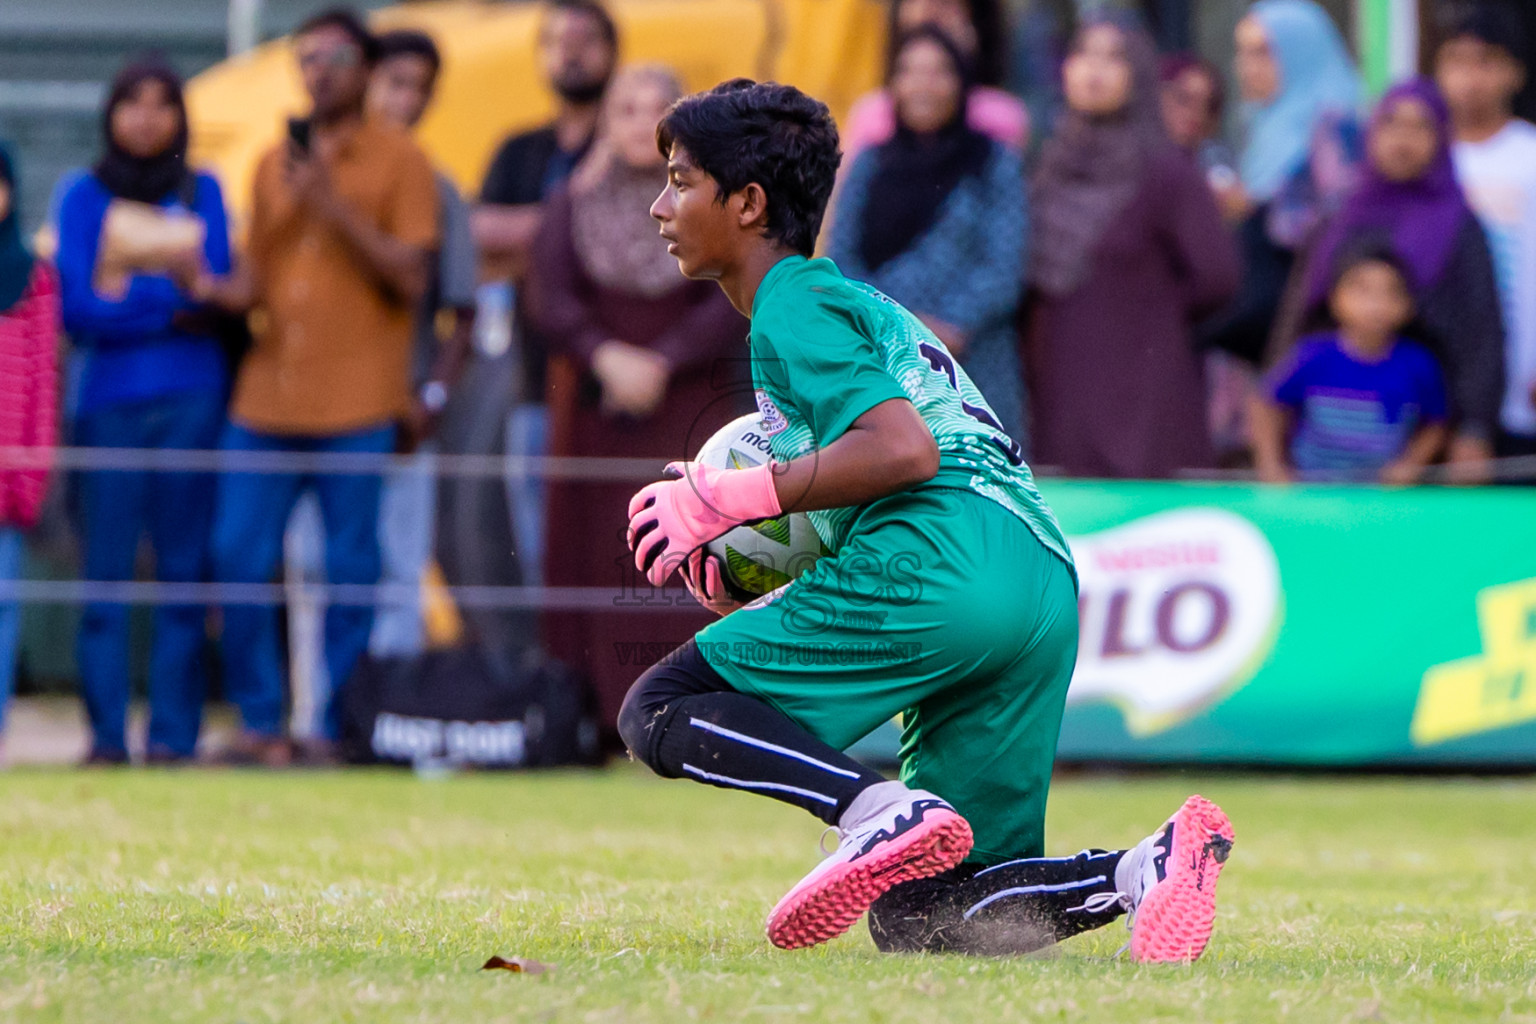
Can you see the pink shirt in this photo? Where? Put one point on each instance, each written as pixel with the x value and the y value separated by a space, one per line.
pixel 994 113
pixel 29 387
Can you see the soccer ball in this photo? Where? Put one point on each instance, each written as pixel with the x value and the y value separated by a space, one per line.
pixel 756 558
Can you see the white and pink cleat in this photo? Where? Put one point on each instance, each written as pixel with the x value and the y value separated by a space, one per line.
pixel 919 837
pixel 1168 881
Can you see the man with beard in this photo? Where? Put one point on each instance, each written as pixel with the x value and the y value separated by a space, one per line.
pixel 578 50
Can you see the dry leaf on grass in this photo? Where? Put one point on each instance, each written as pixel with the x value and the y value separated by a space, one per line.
pixel 517 965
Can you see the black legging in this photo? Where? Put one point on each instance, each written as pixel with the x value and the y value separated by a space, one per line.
pixel 682 719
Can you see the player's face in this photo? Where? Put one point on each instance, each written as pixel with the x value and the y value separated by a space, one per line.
pixel 1371 301
pixel 695 224
pixel 1403 141
pixel 1479 81
pixel 400 89
pixel 1096 76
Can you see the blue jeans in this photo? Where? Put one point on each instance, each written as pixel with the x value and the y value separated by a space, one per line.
pixel 407 528
pixel 10 616
pixel 248 545
pixel 177 510
pixel 528 495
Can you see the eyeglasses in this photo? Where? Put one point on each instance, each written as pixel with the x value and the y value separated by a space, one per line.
pixel 337 57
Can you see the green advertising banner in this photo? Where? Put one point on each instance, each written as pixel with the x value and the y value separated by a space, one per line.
pixel 1302 625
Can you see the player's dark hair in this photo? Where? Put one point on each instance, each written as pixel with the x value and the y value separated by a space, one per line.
pixel 410 42
pixel 587 9
pixel 743 131
pixel 1495 24
pixel 350 22
pixel 986 19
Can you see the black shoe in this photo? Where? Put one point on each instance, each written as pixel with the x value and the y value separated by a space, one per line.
pixel 254 750
pixel 99 758
pixel 164 757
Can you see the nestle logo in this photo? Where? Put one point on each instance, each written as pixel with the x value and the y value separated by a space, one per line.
pixel 1159 556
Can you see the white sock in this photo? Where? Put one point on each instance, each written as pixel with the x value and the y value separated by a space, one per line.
pixel 1134 863
pixel 1125 870
pixel 872 803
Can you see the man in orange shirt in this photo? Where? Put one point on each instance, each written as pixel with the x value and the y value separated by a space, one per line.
pixel 344 222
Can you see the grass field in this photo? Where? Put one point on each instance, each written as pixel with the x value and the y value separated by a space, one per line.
pixel 376 897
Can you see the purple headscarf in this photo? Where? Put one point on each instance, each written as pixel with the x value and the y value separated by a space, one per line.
pixel 1422 217
pixel 1092 167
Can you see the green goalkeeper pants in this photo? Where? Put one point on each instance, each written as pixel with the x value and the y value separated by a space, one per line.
pixel 941 607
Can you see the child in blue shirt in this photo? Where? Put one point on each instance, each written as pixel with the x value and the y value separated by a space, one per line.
pixel 1359 402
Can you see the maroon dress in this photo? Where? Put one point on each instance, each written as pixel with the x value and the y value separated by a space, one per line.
pixel 704 338
pixel 1116 386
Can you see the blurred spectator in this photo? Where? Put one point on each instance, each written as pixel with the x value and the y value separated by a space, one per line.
pixel 1193 99
pixel 1408 194
pixel 29 385
pixel 1127 250
pixel 1495 153
pixel 935 218
pixel 578 50
pixel 975 26
pixel 344 217
pixel 133 234
pixel 634 374
pixel 400 92
pixel 1359 402
pixel 1297 161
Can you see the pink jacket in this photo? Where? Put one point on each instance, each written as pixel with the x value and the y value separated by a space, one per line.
pixel 29 392
pixel 994 113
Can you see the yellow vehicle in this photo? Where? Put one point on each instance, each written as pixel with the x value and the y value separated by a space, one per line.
pixel 491 85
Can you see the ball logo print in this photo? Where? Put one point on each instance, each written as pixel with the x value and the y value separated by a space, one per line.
pixel 1178 610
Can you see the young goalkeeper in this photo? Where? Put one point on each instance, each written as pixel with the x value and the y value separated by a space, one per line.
pixel 949 597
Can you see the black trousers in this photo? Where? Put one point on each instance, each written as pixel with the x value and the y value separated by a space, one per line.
pixel 683 720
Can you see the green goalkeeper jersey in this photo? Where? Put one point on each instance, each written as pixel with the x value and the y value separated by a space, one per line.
pixel 826 350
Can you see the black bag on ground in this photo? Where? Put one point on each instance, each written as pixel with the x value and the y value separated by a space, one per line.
pixel 461 708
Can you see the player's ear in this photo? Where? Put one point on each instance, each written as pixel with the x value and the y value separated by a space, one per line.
pixel 752 211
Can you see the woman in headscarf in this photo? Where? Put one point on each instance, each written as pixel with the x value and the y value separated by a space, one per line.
pixel 644 364
pixel 1301 94
pixel 1193 98
pixel 29 385
pixel 1408 196
pixel 1128 249
pixel 975 27
pixel 133 232
pixel 935 218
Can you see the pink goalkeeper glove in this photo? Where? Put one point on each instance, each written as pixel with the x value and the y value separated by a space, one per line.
pixel 667 520
pixel 701 575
